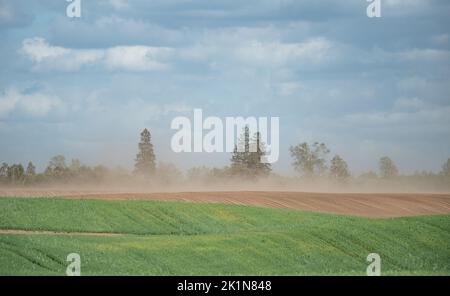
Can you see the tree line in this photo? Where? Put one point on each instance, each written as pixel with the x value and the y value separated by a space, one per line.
pixel 309 160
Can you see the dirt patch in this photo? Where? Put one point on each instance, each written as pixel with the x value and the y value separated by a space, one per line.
pixel 371 205
pixel 359 204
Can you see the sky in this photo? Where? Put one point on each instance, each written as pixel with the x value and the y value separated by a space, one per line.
pixel 85 87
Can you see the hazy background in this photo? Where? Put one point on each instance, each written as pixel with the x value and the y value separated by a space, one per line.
pixel 365 87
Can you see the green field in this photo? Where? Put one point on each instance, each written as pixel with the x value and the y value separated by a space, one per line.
pixel 176 238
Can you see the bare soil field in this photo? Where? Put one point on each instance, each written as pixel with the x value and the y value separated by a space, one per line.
pixel 358 204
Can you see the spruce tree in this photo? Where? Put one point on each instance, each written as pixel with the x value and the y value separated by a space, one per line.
pixel 145 159
pixel 259 168
pixel 239 158
pixel 248 163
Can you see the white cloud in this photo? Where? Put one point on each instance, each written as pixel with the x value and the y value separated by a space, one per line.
pixel 37 49
pixel 36 104
pixel 243 49
pixel 427 54
pixel 277 53
pixel 136 58
pixel 228 49
pixel 46 56
pixel 147 58
pixel 129 58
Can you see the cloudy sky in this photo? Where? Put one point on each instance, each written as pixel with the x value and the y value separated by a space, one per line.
pixel 85 87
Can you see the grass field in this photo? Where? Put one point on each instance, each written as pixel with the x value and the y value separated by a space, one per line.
pixel 177 238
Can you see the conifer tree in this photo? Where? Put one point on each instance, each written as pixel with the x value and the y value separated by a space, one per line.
pixel 145 159
pixel 256 158
pixel 249 161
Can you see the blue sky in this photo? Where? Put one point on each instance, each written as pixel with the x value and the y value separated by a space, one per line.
pixel 86 87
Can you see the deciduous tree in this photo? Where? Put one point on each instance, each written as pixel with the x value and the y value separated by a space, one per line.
pixel 339 169
pixel 309 161
pixel 57 166
pixel 388 169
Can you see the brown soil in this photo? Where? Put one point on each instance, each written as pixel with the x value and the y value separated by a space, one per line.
pixel 360 204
